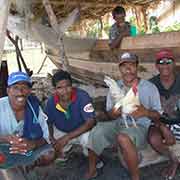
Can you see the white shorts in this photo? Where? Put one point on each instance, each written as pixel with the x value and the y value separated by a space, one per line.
pixel 82 140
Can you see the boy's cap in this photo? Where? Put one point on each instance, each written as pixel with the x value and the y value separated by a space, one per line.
pixel 16 77
pixel 164 53
pixel 128 57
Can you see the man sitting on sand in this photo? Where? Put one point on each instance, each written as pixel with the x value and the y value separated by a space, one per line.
pixel 23 127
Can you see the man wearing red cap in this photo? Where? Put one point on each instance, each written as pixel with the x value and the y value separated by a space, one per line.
pixel 168 84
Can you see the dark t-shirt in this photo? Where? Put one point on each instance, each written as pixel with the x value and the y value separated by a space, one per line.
pixel 80 110
pixel 169 97
pixel 170 100
pixel 115 31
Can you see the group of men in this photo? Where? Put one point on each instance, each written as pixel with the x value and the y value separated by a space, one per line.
pixel 70 118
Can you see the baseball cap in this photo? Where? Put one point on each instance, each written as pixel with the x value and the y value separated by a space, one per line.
pixel 128 57
pixel 164 53
pixel 19 76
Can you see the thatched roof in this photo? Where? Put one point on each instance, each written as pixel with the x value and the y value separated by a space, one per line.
pixel 89 9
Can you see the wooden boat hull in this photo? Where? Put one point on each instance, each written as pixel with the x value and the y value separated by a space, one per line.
pixel 91 59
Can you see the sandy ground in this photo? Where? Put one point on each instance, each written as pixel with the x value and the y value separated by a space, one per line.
pixel 76 166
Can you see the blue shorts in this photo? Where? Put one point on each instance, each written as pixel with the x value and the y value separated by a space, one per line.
pixel 14 160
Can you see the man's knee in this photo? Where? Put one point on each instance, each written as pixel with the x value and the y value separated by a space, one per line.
pixel 99 133
pixel 123 139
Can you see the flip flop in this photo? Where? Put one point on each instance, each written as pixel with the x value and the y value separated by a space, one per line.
pixel 100 164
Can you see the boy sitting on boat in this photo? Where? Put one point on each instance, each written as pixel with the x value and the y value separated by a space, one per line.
pixel 120 28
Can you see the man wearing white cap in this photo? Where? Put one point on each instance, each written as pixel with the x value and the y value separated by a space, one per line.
pixel 129 138
pixel 23 127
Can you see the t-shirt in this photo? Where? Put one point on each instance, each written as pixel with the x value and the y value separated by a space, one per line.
pixel 170 99
pixel 115 31
pixel 9 124
pixel 80 110
pixel 148 97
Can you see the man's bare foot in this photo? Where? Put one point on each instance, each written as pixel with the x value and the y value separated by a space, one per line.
pixel 90 174
pixel 170 171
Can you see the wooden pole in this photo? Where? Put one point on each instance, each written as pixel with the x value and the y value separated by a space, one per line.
pixel 42 64
pixel 3 78
pixel 4 11
pixel 55 26
pixel 19 54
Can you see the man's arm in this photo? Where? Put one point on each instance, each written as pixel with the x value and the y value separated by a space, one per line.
pixel 110 115
pixel 8 138
pixel 115 43
pixel 89 124
pixel 34 144
pixel 62 141
pixel 141 111
pixel 51 133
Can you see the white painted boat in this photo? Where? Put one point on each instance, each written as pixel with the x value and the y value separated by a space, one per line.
pixel 91 59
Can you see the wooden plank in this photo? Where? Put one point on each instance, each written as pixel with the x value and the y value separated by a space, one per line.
pixel 145 55
pixel 4 4
pixel 75 3
pixel 149 156
pixel 159 40
pixel 88 64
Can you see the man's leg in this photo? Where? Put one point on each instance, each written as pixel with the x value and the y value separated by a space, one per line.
pixel 130 155
pixel 131 140
pixel 92 172
pixel 159 145
pixel 11 174
pixel 100 137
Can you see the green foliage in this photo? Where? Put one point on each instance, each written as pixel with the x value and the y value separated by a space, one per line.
pixel 94 30
pixel 106 27
pixel 132 20
pixel 142 30
pixel 153 25
pixel 174 27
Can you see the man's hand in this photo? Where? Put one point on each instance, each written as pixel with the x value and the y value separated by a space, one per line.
pixel 141 111
pixel 12 139
pixel 21 146
pixel 167 135
pixel 60 143
pixel 115 113
pixel 52 140
pixel 125 33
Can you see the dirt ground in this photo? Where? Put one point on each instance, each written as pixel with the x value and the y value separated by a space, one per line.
pixel 76 166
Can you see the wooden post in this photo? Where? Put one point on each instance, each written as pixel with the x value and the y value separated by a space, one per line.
pixel 4 11
pixel 55 26
pixel 19 54
pixel 3 78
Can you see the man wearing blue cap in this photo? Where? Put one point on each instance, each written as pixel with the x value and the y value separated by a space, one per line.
pixel 23 128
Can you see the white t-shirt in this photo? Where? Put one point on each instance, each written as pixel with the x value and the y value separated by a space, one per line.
pixel 9 124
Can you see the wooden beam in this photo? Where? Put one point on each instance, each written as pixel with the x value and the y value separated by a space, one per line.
pixel 4 4
pixel 95 3
pixel 159 40
pixel 77 3
pixel 55 26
